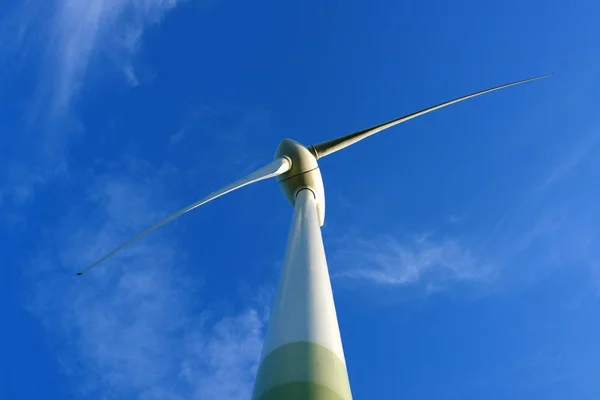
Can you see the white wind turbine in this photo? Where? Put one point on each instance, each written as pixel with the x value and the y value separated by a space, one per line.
pixel 302 356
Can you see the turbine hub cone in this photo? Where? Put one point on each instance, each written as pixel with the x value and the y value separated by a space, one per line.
pixel 304 174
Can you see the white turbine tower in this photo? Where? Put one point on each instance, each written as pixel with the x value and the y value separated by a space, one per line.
pixel 302 356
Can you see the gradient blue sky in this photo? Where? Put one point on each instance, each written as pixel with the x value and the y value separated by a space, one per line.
pixel 463 246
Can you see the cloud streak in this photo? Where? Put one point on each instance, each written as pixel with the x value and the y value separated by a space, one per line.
pixel 67 38
pixel 388 261
pixel 72 42
pixel 551 225
pixel 572 161
pixel 81 30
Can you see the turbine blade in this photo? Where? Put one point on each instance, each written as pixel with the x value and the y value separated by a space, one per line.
pixel 331 146
pixel 277 167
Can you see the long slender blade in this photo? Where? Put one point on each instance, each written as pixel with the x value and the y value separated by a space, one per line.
pixel 277 167
pixel 331 146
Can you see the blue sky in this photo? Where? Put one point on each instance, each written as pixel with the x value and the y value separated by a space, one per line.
pixel 463 245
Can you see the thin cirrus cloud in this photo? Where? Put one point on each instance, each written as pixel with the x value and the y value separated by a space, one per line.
pixel 133 325
pixel 132 329
pixel 389 261
pixel 72 36
pixel 82 29
pixel 550 226
pixel 576 157
pixel 68 40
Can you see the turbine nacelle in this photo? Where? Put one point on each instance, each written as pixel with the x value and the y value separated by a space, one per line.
pixel 304 174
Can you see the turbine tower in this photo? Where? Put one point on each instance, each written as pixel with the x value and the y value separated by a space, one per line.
pixel 302 356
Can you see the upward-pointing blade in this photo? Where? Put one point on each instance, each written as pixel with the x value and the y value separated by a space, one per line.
pixel 277 167
pixel 331 146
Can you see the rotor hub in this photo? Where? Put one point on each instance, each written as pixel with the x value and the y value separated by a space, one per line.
pixel 304 174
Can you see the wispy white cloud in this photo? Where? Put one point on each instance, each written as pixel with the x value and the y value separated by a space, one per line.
pixel 386 260
pixel 222 365
pixel 73 43
pixel 564 236
pixel 528 247
pixel 67 38
pixel 131 328
pixel 555 224
pixel 82 30
pixel 572 160
pixel 550 226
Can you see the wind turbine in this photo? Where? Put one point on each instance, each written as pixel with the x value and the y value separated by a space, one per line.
pixel 302 355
